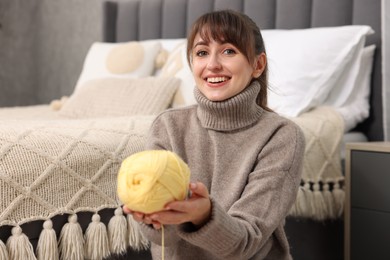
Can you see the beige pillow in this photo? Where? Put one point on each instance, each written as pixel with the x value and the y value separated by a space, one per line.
pixel 121 97
pixel 132 59
pixel 177 66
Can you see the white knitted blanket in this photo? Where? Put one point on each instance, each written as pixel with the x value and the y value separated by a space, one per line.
pixel 54 166
pixel 321 194
pixel 50 167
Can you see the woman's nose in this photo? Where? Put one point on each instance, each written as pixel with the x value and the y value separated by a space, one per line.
pixel 214 62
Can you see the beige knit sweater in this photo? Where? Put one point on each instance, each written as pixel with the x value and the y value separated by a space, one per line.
pixel 250 160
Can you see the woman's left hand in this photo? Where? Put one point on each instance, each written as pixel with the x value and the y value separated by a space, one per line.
pixel 196 209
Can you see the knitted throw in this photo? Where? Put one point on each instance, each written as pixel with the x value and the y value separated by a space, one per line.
pixel 57 166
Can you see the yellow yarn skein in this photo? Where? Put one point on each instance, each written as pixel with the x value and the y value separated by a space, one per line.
pixel 148 180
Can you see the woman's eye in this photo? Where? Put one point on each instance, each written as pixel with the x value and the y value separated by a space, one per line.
pixel 229 51
pixel 201 53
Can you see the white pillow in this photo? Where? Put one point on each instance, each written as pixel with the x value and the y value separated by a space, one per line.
pixel 177 66
pixel 356 107
pixel 120 60
pixel 305 64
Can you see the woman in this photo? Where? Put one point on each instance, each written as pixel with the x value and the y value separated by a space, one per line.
pixel 245 160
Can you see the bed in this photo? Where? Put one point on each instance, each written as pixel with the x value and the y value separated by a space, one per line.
pixel 58 161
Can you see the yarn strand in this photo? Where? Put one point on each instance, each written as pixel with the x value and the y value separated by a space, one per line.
pixel 162 242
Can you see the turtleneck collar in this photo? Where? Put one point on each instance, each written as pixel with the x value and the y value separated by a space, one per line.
pixel 234 113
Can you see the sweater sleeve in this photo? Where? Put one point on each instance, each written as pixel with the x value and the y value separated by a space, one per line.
pixel 251 224
pixel 158 137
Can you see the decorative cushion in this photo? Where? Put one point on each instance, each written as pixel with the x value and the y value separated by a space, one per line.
pixel 122 60
pixel 177 66
pixel 121 97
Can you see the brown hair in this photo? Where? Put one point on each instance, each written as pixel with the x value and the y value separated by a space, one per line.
pixel 235 28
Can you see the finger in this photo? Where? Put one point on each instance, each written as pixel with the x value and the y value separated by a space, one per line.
pixel 147 220
pixel 137 216
pixel 175 207
pixel 156 225
pixel 199 189
pixel 126 210
pixel 168 217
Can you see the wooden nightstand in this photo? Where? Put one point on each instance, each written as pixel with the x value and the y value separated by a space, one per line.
pixel 367 201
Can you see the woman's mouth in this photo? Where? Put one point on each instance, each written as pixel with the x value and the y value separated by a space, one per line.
pixel 217 79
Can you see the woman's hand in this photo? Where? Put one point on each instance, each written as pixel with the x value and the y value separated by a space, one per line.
pixel 142 217
pixel 196 209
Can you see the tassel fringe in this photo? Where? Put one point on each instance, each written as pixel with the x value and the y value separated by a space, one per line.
pixel 339 197
pixel 96 240
pixel 329 201
pixel 319 201
pixel 320 210
pixel 47 244
pixel 3 251
pixel 117 233
pixel 314 200
pixel 19 246
pixel 71 242
pixel 137 240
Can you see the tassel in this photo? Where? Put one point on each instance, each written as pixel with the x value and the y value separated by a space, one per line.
pixel 47 244
pixel 329 201
pixel 96 240
pixel 3 251
pixel 339 197
pixel 117 232
pixel 71 243
pixel 301 203
pixel 19 246
pixel 320 206
pixel 137 240
pixel 309 199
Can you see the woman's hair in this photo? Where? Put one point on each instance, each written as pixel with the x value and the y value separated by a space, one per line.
pixel 235 28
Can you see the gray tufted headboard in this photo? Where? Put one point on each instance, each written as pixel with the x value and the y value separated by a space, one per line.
pixel 126 20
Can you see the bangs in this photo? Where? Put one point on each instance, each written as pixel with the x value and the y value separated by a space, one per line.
pixel 225 29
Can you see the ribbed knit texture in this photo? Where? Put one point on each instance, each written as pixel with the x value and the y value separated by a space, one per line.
pixel 237 112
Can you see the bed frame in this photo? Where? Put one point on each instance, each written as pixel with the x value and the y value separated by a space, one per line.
pixel 128 20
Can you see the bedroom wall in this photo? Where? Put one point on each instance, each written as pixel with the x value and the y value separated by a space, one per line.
pixel 17 38
pixel 42 46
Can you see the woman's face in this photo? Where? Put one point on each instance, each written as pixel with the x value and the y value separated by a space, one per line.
pixel 220 70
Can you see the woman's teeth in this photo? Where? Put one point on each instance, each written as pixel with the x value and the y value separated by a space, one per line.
pixel 216 79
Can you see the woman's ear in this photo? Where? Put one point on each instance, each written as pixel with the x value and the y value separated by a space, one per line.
pixel 259 66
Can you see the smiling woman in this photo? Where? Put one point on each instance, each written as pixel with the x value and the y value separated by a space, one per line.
pixel 237 199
